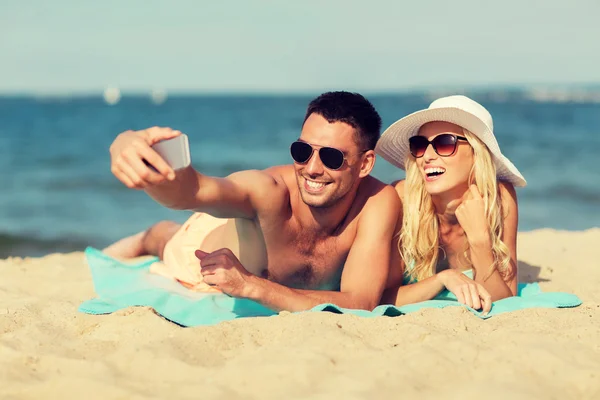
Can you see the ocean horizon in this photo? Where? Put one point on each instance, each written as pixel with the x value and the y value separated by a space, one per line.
pixel 58 193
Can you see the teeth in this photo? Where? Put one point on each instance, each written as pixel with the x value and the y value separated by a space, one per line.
pixel 434 170
pixel 314 185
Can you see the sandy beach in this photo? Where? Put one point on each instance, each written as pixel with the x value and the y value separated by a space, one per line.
pixel 50 350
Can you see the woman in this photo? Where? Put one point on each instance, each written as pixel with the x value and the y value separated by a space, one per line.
pixel 459 225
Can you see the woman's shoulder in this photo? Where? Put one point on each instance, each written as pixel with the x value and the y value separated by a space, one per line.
pixel 507 192
pixel 508 199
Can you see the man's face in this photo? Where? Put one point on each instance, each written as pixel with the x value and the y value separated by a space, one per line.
pixel 320 186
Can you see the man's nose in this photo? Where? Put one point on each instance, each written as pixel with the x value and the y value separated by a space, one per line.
pixel 314 166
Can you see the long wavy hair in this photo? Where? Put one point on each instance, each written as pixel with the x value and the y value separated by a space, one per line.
pixel 419 243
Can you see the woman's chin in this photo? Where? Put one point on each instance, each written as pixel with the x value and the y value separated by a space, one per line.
pixel 441 187
pixel 435 187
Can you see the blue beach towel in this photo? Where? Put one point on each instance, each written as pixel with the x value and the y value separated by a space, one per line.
pixel 119 285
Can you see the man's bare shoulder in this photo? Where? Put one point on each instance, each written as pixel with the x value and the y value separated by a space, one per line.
pixel 376 188
pixel 252 178
pixel 268 178
pixel 280 173
pixel 399 186
pixel 382 199
pixel 266 186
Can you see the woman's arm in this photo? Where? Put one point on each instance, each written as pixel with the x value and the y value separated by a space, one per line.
pixel 481 253
pixel 399 294
pixel 395 292
pixel 466 290
pixel 509 235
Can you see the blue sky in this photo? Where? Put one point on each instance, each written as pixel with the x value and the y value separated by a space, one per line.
pixel 79 46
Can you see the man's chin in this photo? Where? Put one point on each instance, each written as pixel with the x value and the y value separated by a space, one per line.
pixel 315 201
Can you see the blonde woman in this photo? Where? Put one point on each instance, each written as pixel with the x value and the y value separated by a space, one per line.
pixel 458 231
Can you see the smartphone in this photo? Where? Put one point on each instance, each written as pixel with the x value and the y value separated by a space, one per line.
pixel 175 151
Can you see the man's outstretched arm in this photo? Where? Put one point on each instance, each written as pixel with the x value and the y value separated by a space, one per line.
pixel 363 278
pixel 186 189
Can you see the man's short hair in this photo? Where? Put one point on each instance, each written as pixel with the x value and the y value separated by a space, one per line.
pixel 352 109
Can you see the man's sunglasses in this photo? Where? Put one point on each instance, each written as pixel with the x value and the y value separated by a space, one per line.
pixel 444 144
pixel 331 158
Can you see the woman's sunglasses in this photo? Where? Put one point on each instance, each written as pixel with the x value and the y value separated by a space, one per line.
pixel 331 158
pixel 444 144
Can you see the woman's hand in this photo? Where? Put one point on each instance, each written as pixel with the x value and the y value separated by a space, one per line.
pixel 466 290
pixel 471 217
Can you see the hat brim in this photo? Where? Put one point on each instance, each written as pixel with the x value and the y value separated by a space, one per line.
pixel 393 145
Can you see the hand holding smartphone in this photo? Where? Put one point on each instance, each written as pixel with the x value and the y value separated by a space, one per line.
pixel 175 151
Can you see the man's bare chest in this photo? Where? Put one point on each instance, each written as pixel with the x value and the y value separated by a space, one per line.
pixel 299 259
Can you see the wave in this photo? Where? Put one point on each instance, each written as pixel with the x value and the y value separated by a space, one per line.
pixel 32 246
pixel 565 192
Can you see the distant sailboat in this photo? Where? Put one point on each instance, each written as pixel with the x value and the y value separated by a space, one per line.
pixel 112 95
pixel 158 96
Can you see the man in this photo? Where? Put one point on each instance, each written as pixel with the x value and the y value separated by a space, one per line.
pixel 321 223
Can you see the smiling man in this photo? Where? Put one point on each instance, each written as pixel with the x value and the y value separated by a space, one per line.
pixel 289 237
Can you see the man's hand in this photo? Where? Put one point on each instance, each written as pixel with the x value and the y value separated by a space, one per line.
pixel 131 152
pixel 466 290
pixel 223 270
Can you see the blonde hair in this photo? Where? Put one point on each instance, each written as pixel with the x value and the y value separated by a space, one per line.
pixel 419 242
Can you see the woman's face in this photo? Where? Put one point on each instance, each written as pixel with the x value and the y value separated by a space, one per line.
pixel 445 175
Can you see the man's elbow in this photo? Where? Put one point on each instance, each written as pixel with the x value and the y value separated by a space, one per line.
pixel 370 305
pixel 177 206
pixel 365 302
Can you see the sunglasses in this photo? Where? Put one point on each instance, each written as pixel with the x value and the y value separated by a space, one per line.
pixel 331 158
pixel 444 144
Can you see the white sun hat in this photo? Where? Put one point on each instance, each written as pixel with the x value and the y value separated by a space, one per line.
pixel 459 110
